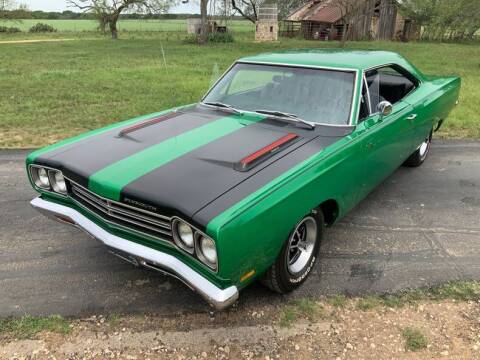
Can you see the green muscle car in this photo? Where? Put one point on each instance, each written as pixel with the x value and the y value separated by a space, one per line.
pixel 241 185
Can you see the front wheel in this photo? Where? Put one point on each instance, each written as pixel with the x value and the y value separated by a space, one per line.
pixel 298 255
pixel 419 156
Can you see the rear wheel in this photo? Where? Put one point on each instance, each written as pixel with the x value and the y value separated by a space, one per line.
pixel 297 257
pixel 419 156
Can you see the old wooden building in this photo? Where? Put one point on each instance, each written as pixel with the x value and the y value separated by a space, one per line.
pixel 357 19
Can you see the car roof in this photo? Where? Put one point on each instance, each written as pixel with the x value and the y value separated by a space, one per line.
pixel 334 58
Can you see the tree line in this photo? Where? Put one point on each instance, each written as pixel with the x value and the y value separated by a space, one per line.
pixel 72 15
pixel 444 20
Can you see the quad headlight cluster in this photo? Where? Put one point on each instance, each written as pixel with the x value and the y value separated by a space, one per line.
pixel 48 179
pixel 194 242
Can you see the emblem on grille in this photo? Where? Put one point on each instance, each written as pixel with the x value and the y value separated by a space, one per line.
pixel 140 204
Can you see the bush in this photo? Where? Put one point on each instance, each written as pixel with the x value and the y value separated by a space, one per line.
pixel 414 339
pixel 220 37
pixel 212 37
pixel 39 28
pixel 191 39
pixel 9 30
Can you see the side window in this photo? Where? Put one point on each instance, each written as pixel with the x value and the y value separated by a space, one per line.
pixel 388 84
pixel 364 107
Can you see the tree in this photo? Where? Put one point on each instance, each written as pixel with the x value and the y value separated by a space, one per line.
pixel 204 21
pixel 5 7
pixel 286 7
pixel 10 10
pixel 108 12
pixel 247 8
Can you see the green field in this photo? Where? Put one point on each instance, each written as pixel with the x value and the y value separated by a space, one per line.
pixel 53 90
pixel 123 25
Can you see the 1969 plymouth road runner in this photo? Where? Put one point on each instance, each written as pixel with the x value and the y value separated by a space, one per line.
pixel 240 186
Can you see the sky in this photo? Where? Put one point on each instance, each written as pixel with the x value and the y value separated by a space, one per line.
pixel 61 5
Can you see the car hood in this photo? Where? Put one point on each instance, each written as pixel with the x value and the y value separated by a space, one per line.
pixel 178 163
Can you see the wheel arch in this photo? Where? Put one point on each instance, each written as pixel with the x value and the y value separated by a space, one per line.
pixel 331 210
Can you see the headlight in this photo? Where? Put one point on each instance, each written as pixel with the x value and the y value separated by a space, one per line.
pixel 207 251
pixel 58 182
pixel 40 177
pixel 183 235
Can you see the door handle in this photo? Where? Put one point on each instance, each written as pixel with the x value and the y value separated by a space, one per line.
pixel 412 117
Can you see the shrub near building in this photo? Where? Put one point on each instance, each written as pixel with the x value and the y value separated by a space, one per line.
pixel 39 28
pixel 9 30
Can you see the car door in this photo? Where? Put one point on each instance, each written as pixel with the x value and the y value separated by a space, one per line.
pixel 387 139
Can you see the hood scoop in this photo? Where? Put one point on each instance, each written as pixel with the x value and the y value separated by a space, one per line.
pixel 150 122
pixel 264 153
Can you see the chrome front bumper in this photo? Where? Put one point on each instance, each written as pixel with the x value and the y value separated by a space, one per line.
pixel 141 255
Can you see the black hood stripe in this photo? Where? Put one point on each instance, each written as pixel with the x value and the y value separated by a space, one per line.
pixel 83 159
pixel 189 183
pixel 261 178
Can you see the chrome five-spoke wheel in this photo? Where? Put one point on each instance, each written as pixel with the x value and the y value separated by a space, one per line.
pixel 424 147
pixel 301 244
pixel 419 156
pixel 297 256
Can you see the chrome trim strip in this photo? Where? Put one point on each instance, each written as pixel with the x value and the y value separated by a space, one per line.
pixel 368 95
pixel 120 203
pixel 356 71
pixel 299 65
pixel 123 227
pixel 119 217
pixel 219 298
pixel 112 209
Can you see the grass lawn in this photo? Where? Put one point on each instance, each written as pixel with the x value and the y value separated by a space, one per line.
pixel 123 25
pixel 54 90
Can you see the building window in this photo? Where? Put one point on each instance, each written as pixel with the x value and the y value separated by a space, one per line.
pixel 271 28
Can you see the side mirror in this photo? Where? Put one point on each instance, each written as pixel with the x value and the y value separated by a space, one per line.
pixel 385 108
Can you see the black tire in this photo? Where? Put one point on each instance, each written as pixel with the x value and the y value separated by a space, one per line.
pixel 279 277
pixel 419 156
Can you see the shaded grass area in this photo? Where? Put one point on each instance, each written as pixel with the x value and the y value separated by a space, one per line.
pixel 54 90
pixel 461 291
pixel 28 326
pixel 306 308
pixel 338 300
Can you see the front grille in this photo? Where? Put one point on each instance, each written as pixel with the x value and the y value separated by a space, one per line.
pixel 121 214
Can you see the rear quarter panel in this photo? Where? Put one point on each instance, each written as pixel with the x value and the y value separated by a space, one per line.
pixel 447 94
pixel 433 101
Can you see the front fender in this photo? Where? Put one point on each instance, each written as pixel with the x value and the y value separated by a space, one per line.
pixel 252 233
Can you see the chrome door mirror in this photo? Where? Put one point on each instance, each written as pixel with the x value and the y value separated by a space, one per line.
pixel 385 108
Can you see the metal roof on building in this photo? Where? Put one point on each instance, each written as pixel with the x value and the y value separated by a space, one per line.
pixel 327 11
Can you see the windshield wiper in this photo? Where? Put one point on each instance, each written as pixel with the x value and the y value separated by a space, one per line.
pixel 224 106
pixel 286 116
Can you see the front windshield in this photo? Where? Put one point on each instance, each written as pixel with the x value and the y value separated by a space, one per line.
pixel 317 95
